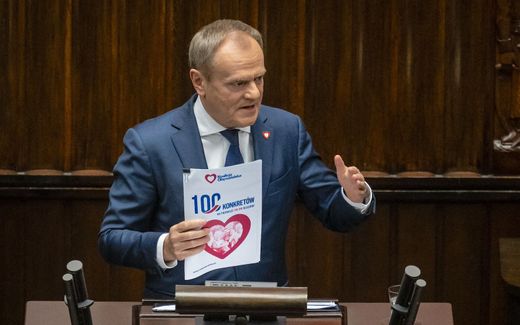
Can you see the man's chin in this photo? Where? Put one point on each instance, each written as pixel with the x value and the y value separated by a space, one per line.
pixel 246 121
pixel 246 116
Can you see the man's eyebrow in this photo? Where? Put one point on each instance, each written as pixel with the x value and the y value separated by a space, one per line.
pixel 254 76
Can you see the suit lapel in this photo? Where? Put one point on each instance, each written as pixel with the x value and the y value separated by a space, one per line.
pixel 186 137
pixel 263 147
pixel 187 142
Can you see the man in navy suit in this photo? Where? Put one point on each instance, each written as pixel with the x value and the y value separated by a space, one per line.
pixel 144 224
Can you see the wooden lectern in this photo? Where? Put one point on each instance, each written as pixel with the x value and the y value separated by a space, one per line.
pixel 137 313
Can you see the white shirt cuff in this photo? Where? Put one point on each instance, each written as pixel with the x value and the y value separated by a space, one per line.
pixel 159 255
pixel 362 206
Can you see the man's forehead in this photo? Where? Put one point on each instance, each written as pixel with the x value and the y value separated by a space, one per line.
pixel 234 60
pixel 238 51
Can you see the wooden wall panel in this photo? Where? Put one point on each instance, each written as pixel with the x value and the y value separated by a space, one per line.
pixel 43 121
pixel 178 32
pixel 125 284
pixel 296 264
pixel 417 86
pixel 106 282
pixel 402 86
pixel 45 247
pixel 177 36
pixel 12 272
pixel 12 87
pixel 347 266
pixel 85 218
pixel 94 85
pixel 321 253
pixel 248 11
pixel 371 259
pixel 470 35
pixel 329 78
pixel 416 242
pixel 284 43
pixel 366 121
pixel 141 63
pixel 39 237
pixel 465 261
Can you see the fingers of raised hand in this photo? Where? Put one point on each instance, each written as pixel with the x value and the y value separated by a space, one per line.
pixel 340 165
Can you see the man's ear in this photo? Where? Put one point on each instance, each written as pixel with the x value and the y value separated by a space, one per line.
pixel 198 81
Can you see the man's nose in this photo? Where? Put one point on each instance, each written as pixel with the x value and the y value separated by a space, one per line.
pixel 253 90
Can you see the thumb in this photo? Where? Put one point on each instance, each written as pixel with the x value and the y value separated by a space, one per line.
pixel 341 169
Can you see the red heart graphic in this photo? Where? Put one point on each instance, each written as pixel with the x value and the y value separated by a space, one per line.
pixel 226 237
pixel 210 178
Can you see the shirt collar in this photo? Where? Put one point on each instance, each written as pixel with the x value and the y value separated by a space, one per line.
pixel 206 124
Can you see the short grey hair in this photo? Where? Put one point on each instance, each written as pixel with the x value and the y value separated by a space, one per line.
pixel 207 40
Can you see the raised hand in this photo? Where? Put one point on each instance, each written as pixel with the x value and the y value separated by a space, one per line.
pixel 351 179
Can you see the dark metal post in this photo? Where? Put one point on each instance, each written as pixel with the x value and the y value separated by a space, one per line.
pixel 70 299
pixel 402 304
pixel 415 301
pixel 75 269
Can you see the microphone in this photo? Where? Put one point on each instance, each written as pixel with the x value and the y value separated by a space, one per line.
pixel 400 308
pixel 76 296
pixel 70 299
pixel 415 301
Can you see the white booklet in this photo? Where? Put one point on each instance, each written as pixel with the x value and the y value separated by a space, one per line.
pixel 230 199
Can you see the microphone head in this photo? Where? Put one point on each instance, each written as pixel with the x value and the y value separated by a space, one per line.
pixel 74 266
pixel 412 271
pixel 420 283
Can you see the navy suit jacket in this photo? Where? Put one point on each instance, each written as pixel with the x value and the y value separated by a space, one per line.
pixel 146 197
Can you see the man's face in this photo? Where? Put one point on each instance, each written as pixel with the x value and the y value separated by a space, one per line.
pixel 233 92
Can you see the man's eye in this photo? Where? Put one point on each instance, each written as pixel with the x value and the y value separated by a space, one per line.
pixel 239 83
pixel 259 79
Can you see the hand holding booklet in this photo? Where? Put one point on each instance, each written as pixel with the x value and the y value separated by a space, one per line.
pixel 230 199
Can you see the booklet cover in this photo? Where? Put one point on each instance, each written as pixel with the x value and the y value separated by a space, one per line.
pixel 230 199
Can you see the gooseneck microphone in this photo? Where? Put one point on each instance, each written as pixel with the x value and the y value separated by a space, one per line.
pixel 76 295
pixel 406 305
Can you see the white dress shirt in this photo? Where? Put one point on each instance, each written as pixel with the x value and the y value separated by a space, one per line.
pixel 215 150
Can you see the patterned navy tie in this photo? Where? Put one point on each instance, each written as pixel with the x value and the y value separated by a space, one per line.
pixel 234 156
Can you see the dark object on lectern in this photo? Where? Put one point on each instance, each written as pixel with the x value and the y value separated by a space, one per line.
pixel 70 299
pixel 415 301
pixel 405 308
pixel 257 303
pixel 76 296
pixel 76 269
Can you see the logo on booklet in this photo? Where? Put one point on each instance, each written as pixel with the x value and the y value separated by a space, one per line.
pixel 210 178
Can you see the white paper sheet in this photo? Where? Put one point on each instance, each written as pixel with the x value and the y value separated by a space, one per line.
pixel 230 199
